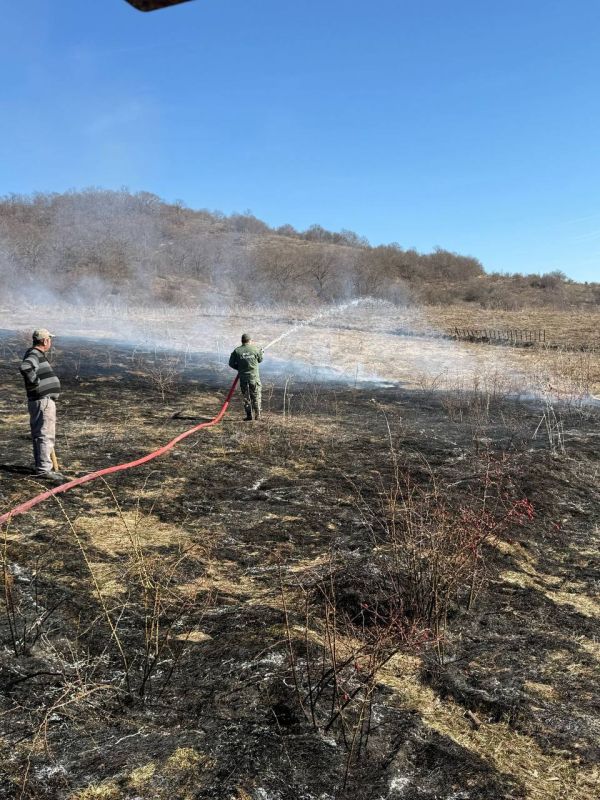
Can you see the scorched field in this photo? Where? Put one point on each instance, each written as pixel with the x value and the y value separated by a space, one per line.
pixel 388 588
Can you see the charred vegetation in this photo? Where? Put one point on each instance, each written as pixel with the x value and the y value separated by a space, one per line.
pixel 374 593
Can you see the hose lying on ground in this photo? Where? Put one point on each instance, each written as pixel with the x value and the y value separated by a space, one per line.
pixel 64 487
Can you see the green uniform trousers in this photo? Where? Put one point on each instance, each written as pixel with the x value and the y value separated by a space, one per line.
pixel 251 389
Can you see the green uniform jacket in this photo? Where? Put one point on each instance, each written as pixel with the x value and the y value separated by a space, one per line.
pixel 246 359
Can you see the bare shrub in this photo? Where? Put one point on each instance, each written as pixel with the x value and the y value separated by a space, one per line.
pixel 23 609
pixel 161 370
pixel 334 660
pixel 430 548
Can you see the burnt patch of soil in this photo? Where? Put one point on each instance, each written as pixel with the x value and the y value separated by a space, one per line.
pixel 162 632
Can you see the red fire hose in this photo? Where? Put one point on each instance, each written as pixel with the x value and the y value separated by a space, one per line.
pixel 64 487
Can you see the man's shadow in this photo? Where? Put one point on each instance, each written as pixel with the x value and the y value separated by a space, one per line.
pixel 181 415
pixel 16 469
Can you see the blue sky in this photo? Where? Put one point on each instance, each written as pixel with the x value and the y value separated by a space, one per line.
pixel 470 125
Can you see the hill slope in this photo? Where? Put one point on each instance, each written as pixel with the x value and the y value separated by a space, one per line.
pixel 135 247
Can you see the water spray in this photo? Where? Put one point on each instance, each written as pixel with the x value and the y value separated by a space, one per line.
pixel 325 313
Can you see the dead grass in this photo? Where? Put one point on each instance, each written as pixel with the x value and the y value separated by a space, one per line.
pixel 362 343
pixel 119 543
pixel 545 777
pixel 567 327
pixel 587 606
pixel 104 791
pixel 114 535
pixel 252 533
pixel 178 775
pixel 560 591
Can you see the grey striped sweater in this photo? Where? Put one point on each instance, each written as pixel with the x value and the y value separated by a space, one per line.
pixel 39 377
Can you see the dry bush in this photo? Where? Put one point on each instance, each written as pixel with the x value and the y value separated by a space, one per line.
pixel 433 553
pixel 430 547
pixel 25 612
pixel 162 370
pixel 334 661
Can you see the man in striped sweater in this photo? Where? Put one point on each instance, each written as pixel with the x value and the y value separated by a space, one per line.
pixel 43 388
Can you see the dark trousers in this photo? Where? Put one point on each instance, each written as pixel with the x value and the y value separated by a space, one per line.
pixel 251 389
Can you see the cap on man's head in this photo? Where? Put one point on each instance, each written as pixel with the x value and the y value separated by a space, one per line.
pixel 246 338
pixel 40 334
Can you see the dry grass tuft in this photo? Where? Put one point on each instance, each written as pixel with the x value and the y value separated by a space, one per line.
pixel 114 535
pixel 544 776
pixel 140 778
pixel 185 760
pixel 103 791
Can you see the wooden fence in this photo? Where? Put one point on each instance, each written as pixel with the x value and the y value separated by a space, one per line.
pixel 510 336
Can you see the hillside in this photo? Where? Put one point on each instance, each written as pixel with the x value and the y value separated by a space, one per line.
pixel 128 247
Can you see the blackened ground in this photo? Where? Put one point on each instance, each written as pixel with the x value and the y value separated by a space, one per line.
pixel 240 517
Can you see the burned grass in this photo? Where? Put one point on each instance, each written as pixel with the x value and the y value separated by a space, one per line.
pixel 375 593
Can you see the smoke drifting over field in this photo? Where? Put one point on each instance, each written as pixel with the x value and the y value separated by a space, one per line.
pixel 112 265
pixel 121 249
pixel 132 269
pixel 355 342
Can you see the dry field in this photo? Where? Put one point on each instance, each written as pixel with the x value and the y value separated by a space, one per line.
pixel 385 590
pixel 570 327
pixel 364 342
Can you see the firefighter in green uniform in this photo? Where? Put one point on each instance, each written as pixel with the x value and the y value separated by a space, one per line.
pixel 246 359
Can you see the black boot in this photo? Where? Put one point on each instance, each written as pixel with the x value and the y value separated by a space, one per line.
pixel 248 417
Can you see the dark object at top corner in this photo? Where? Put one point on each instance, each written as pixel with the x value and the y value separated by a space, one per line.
pixel 152 5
